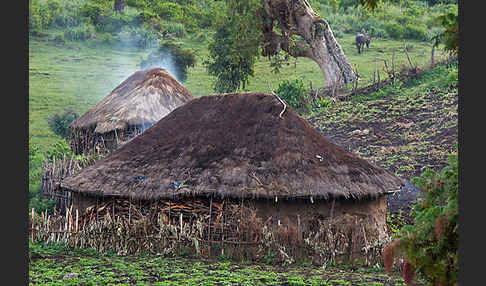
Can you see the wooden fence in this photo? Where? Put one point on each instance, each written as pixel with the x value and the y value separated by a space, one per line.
pixel 206 228
pixel 55 170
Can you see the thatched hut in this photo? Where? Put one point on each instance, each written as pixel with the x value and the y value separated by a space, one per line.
pixel 241 147
pixel 133 106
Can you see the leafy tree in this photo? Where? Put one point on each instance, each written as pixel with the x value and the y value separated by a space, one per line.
pixel 267 27
pixel 450 36
pixel 449 21
pixel 430 245
pixel 234 48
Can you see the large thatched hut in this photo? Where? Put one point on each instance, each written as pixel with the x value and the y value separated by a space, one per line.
pixel 133 106
pixel 241 147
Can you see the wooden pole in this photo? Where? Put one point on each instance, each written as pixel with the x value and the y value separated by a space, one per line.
pixel 374 73
pixel 408 56
pixel 33 225
pixel 77 220
pixel 209 225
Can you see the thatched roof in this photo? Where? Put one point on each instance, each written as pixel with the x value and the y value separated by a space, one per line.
pixel 142 99
pixel 232 145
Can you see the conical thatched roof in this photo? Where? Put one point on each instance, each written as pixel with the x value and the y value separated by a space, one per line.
pixel 232 145
pixel 142 99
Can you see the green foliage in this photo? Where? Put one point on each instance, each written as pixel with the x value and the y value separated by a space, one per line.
pixel 36 159
pixel 294 93
pixel 42 14
pixel 79 33
pixel 138 36
pixel 431 243
pixel 173 29
pixel 59 149
pixel 234 48
pixel 168 10
pixel 59 122
pixel 450 36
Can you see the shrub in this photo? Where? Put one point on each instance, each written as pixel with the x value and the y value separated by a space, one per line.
pixel 394 30
pixel 417 32
pixel 172 29
pixel 36 160
pixel 141 37
pixel 43 14
pixel 168 10
pixel 79 33
pixel 59 149
pixel 294 93
pixel 430 244
pixel 59 122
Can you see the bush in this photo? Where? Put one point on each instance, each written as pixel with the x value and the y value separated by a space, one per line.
pixel 36 160
pixel 394 30
pixel 168 10
pixel 59 122
pixel 172 29
pixel 43 14
pixel 430 244
pixel 79 33
pixel 417 32
pixel 141 37
pixel 294 93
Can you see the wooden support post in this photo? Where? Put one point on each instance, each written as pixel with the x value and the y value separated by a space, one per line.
pixel 209 225
pixel 332 207
pixel 77 220
pixel 33 225
pixel 374 73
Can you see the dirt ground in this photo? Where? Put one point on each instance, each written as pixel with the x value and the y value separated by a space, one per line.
pixel 405 134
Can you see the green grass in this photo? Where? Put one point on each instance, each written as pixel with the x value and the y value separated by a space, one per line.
pixel 57 265
pixel 80 74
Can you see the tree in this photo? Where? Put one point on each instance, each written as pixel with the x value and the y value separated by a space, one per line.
pixel 119 6
pixel 430 245
pixel 449 21
pixel 234 48
pixel 269 27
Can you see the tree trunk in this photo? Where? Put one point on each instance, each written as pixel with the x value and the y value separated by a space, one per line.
pixel 315 39
pixel 119 6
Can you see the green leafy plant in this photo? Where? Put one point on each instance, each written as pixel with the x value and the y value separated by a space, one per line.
pixel 235 46
pixel 59 122
pixel 450 36
pixel 294 93
pixel 430 245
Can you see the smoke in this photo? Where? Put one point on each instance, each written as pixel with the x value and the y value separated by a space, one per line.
pixel 162 60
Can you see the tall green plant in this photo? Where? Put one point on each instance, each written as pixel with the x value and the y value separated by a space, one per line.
pixel 294 93
pixel 59 122
pixel 235 46
pixel 430 245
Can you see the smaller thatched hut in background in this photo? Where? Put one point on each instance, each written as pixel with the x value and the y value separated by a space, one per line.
pixel 133 106
pixel 236 148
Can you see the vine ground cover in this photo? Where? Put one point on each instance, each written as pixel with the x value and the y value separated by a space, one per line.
pixel 65 268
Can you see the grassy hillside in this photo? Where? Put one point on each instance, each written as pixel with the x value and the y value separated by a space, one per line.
pixel 80 74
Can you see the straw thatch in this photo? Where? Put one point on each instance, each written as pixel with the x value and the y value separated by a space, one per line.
pixel 234 146
pixel 137 103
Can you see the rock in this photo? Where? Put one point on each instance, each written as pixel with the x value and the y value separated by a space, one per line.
pixel 70 275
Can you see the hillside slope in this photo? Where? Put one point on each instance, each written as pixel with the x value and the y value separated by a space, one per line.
pixel 404 128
